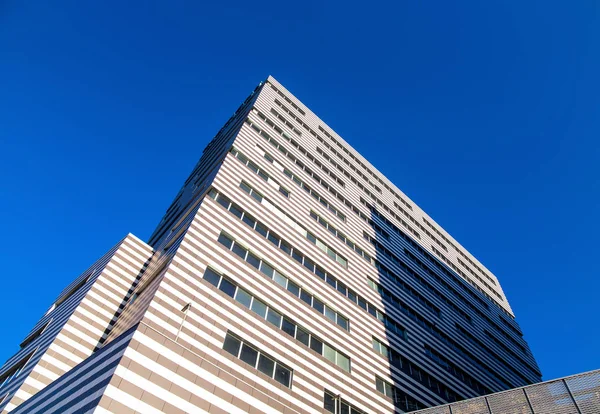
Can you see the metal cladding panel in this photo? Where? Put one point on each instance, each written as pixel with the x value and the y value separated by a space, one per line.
pixel 436 410
pixel 512 402
pixel 579 394
pixel 551 398
pixel 475 406
pixel 585 389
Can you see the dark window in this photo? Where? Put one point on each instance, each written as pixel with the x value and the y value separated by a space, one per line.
pixel 249 355
pixel 293 288
pixel 227 287
pixel 232 345
pixel 239 250
pixel 266 365
pixel 211 277
pixel 253 260
pixel 282 375
pixel 225 240
pixel 288 327
pixel 318 305
pixel 316 345
pixel 302 336
pixel 274 317
pixel 249 220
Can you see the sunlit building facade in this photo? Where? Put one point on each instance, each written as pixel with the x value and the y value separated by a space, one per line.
pixel 288 275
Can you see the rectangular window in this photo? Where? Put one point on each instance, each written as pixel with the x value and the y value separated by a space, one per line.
pixel 14 372
pixel 257 359
pixel 278 278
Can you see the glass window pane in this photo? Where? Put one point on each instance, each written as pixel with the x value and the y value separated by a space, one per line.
pixel 330 314
pixel 256 196
pixel 236 211
pixel 280 279
pixel 261 229
pixel 388 389
pixel 252 166
pixel 285 247
pixel 249 220
pixel 293 288
pixel 331 253
pixel 331 280
pixel 245 187
pixel 346 409
pixel 283 375
pixel 274 317
pixel 320 272
pixel 329 403
pixel 362 303
pixel 379 385
pixel 232 345
pixel 243 297
pixel 284 192
pixel 318 305
pixel 225 240
pixel 266 365
pixel 316 345
pixel 253 260
pixel 329 353
pixel 341 288
pixel 239 250
pixel 227 287
pixel 267 269
pixel 224 201
pixel 273 238
pixel 302 336
pixel 259 307
pixel 342 322
pixel 306 297
pixel 263 175
pixel 249 355
pixel 288 327
pixel 297 256
pixel 321 246
pixel 212 277
pixel 309 264
pixel 343 362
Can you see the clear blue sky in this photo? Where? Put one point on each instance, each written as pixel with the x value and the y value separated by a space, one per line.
pixel 485 113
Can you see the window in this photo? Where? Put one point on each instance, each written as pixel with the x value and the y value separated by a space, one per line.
pixel 410 368
pixel 34 335
pixel 257 170
pixel 278 278
pixel 337 405
pixel 402 400
pixel 252 356
pixel 16 369
pixel 72 291
pixel 453 369
pixel 277 319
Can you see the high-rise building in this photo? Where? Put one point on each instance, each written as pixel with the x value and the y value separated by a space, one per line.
pixel 288 275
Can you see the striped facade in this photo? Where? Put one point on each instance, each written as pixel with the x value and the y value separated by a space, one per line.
pixel 76 324
pixel 289 275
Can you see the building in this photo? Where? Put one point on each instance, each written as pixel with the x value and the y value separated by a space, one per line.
pixel 288 275
pixel 578 394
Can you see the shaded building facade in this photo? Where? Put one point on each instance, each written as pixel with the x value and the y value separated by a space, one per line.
pixel 288 275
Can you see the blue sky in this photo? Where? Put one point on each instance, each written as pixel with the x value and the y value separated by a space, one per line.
pixel 486 114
